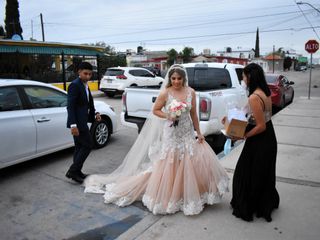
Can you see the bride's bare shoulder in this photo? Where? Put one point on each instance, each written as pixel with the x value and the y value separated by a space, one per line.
pixel 164 93
pixel 191 90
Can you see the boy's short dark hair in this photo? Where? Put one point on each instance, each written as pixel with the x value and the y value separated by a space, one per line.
pixel 85 66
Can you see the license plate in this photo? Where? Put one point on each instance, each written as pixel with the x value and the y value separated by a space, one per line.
pixel 109 80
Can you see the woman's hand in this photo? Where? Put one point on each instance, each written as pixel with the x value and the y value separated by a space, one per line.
pixel 200 138
pixel 236 138
pixel 223 120
pixel 246 135
pixel 170 118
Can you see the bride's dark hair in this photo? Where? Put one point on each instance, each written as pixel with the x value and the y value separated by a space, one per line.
pixel 179 70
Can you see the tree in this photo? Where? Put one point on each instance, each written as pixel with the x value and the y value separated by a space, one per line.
pixel 280 52
pixel 287 63
pixel 172 56
pixel 107 48
pixel 257 49
pixel 12 20
pixel 187 53
pixel 2 32
pixel 110 50
pixel 111 61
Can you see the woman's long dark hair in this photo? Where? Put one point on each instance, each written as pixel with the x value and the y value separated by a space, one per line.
pixel 255 75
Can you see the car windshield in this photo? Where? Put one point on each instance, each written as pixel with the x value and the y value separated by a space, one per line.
pixel 114 72
pixel 271 79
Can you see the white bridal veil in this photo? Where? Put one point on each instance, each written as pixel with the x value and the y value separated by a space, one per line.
pixel 140 156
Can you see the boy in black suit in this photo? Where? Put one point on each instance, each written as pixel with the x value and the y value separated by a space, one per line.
pixel 80 111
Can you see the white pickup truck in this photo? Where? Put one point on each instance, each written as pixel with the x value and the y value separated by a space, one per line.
pixel 216 85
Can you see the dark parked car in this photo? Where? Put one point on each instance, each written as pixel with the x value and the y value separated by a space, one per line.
pixel 154 70
pixel 301 68
pixel 282 93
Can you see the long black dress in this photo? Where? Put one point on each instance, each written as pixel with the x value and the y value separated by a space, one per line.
pixel 254 180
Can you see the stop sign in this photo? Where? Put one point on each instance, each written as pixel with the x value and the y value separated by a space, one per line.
pixel 311 46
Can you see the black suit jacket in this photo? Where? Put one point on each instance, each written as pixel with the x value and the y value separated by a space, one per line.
pixel 80 110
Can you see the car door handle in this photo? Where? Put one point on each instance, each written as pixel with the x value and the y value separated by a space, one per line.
pixel 43 119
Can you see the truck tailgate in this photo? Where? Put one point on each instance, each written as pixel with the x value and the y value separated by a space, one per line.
pixel 140 101
pixel 221 99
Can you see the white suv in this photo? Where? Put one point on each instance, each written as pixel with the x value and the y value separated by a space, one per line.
pixel 116 79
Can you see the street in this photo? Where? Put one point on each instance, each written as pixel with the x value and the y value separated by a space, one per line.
pixel 37 201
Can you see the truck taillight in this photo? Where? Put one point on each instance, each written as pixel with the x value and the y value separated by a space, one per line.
pixel 203 106
pixel 205 109
pixel 121 77
pixel 124 102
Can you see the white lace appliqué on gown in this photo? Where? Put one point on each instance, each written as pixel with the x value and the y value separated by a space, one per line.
pixel 185 175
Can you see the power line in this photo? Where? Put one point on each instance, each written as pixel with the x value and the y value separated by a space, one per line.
pixel 171 28
pixel 177 9
pixel 208 23
pixel 188 26
pixel 215 35
pixel 199 24
pixel 308 21
pixel 237 36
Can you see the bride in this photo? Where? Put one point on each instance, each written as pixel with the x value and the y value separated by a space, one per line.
pixel 167 167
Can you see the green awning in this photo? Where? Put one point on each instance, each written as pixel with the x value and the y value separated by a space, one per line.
pixel 49 50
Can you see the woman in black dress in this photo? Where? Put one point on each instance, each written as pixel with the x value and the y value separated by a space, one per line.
pixel 254 180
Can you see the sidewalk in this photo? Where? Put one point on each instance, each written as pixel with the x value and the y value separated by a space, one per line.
pixel 298 182
pixel 98 93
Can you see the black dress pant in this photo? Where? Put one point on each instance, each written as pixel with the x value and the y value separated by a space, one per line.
pixel 83 145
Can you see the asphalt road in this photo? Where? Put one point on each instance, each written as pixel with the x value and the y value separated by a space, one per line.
pixel 38 202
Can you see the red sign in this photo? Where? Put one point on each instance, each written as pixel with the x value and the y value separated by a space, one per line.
pixel 311 46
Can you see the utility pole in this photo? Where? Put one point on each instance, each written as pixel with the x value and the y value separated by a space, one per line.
pixel 41 19
pixel 31 29
pixel 63 72
pixel 273 59
pixel 300 3
pixel 311 47
pixel 309 89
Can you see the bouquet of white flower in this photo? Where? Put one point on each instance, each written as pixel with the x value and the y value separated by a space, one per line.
pixel 175 109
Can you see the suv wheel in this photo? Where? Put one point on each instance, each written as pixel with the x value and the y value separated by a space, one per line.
pixel 110 94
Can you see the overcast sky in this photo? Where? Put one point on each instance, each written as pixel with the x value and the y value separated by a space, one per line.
pixel 165 24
